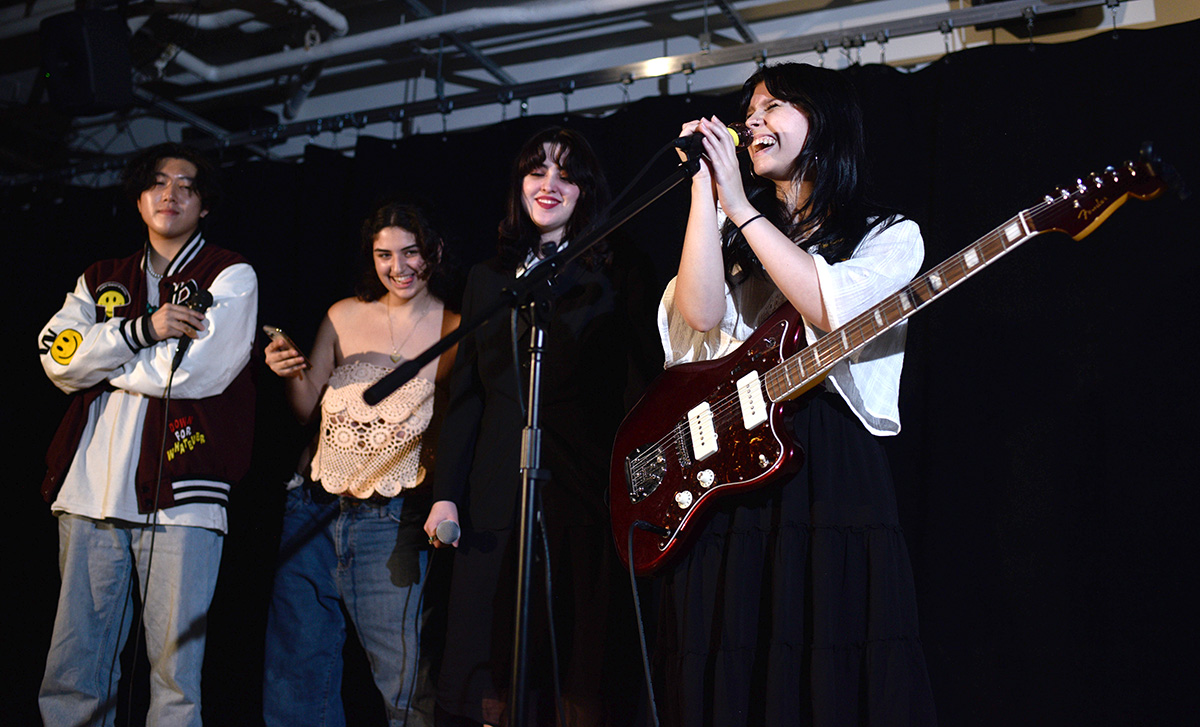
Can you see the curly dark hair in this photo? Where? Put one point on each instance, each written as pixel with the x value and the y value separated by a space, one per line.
pixel 140 171
pixel 429 243
pixel 838 213
pixel 518 235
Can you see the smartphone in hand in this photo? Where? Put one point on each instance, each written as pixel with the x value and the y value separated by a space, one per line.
pixel 276 333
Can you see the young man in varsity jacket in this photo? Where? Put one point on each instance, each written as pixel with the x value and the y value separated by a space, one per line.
pixel 138 486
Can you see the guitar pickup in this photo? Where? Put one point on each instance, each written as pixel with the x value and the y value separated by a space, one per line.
pixel 704 436
pixel 754 408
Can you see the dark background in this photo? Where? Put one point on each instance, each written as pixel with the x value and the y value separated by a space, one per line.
pixel 1049 404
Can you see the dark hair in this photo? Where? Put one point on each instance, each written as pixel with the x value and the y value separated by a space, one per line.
pixel 518 235
pixel 837 215
pixel 429 243
pixel 140 173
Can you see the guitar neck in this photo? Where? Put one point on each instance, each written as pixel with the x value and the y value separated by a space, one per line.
pixel 803 370
pixel 673 456
pixel 1076 211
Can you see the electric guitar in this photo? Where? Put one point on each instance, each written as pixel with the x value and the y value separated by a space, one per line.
pixel 714 428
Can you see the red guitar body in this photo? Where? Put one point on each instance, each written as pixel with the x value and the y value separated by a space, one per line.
pixel 655 477
pixel 698 434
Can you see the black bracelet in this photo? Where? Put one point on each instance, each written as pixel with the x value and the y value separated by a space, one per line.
pixel 755 217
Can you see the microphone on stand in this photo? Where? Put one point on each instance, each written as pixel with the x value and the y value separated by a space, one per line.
pixel 740 133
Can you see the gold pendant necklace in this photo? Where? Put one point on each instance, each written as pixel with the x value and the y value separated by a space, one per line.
pixel 395 354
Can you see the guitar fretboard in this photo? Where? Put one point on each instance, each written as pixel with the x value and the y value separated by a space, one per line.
pixel 801 371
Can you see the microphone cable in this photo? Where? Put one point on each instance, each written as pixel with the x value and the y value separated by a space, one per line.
pixel 419 631
pixel 541 521
pixel 641 627
pixel 202 304
pixel 152 521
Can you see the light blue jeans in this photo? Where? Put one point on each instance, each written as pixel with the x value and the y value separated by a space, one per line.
pixel 342 557
pixel 96 559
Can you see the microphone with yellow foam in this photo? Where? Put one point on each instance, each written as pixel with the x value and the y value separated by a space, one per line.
pixel 692 144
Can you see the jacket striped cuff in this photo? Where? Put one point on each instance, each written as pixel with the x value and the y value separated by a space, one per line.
pixel 137 333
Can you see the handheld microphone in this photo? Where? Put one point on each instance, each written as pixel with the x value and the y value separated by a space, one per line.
pixel 740 133
pixel 446 533
pixel 198 302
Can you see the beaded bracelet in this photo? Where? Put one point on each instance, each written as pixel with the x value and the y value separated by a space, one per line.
pixel 755 217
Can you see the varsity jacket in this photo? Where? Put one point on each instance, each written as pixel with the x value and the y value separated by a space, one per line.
pixel 101 341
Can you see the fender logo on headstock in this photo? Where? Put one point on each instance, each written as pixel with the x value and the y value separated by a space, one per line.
pixel 1099 206
pixel 653 477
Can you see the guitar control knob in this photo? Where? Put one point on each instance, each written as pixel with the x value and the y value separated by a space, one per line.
pixel 706 478
pixel 763 461
pixel 683 499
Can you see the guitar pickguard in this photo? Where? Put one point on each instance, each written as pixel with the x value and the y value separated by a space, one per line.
pixel 672 471
pixel 662 476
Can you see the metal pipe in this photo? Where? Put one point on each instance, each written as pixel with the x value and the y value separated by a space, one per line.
pixel 538 12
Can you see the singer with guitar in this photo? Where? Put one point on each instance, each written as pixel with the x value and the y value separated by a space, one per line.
pixel 794 604
pixel 140 469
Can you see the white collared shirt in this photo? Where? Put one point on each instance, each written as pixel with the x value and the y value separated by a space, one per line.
pixel 869 379
pixel 532 260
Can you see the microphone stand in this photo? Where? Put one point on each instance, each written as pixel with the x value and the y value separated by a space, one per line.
pixel 532 290
pixel 532 478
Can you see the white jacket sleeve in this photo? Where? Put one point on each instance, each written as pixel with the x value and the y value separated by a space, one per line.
pixel 77 352
pixel 212 360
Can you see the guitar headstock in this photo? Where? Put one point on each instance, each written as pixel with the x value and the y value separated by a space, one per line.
pixel 1080 208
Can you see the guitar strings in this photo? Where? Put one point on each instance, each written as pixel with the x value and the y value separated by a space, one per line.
pixel 827 347
pixel 913 296
pixel 920 292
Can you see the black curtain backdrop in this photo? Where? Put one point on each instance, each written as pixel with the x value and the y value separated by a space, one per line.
pixel 1043 466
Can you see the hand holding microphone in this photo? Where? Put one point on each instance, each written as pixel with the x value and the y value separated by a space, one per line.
pixel 175 320
pixel 198 303
pixel 442 524
pixel 718 143
pixel 446 533
pixel 693 143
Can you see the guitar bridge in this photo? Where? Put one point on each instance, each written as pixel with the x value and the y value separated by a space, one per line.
pixel 644 470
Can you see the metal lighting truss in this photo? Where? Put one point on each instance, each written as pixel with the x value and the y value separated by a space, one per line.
pixel 759 52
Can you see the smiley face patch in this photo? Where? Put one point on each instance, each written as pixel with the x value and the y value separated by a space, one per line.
pixel 110 296
pixel 65 344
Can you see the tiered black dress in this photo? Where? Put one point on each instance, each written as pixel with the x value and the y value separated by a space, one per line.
pixel 796 605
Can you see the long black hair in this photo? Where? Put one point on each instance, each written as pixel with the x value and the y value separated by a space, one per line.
pixel 837 214
pixel 572 152
pixel 429 243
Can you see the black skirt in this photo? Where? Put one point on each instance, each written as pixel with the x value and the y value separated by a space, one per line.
pixel 795 605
